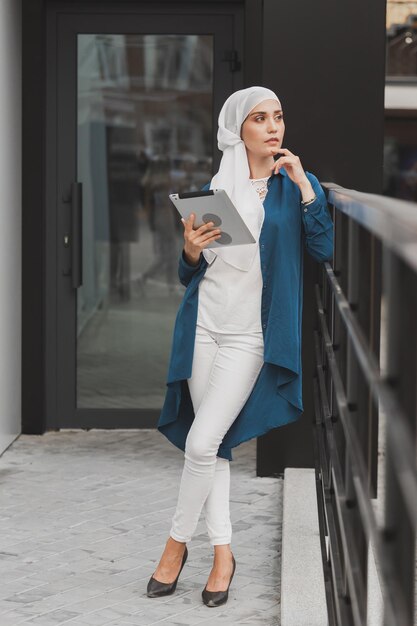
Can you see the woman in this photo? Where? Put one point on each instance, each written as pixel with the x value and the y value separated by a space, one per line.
pixel 235 370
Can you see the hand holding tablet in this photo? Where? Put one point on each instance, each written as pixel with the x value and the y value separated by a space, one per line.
pixel 214 206
pixel 196 239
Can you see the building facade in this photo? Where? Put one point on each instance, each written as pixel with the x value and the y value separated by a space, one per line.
pixel 117 105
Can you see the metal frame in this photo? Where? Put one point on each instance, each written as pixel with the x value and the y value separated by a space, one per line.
pixel 349 386
pixel 57 341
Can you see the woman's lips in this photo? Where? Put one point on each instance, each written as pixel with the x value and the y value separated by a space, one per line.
pixel 272 141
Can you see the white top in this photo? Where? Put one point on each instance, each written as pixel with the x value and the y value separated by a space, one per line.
pixel 229 299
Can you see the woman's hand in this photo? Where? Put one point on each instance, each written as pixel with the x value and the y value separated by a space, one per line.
pixel 198 239
pixel 292 165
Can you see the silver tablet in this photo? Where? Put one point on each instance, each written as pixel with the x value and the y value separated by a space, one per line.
pixel 215 206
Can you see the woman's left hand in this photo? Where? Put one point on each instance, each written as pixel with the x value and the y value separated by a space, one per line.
pixel 292 165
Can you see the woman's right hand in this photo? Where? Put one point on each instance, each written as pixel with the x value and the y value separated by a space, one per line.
pixel 198 239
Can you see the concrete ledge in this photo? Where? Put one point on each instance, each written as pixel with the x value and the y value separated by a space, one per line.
pixel 303 598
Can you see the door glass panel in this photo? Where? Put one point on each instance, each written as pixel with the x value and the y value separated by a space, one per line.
pixel 144 130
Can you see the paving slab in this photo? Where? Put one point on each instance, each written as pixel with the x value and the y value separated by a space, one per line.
pixel 84 517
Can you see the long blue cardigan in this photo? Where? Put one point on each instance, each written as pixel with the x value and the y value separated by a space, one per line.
pixel 276 398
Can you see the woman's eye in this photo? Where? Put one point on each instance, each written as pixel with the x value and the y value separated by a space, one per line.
pixel 260 118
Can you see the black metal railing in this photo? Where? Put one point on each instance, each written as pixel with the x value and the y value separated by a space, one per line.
pixel 365 394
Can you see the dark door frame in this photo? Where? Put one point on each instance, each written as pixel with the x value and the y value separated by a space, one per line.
pixel 39 329
pixel 63 28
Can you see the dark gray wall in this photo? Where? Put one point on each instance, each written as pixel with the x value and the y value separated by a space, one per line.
pixel 33 288
pixel 325 60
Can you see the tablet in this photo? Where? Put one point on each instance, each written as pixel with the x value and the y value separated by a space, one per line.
pixel 215 206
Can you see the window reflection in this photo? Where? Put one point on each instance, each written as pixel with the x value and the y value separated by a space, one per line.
pixel 163 223
pixel 400 144
pixel 144 130
pixel 400 158
pixel 401 39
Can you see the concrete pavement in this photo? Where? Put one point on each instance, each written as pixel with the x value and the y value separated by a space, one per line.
pixel 84 517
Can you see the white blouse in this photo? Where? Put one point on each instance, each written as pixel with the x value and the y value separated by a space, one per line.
pixel 229 299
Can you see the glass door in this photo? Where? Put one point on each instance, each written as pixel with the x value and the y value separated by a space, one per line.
pixel 137 102
pixel 144 128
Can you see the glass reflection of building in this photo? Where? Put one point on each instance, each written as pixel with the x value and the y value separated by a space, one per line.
pixel 400 147
pixel 144 130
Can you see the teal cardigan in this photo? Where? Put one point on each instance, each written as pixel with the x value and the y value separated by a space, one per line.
pixel 276 398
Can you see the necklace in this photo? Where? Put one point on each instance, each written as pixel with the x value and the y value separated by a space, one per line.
pixel 260 185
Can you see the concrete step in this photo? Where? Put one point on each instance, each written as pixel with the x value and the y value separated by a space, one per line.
pixel 303 598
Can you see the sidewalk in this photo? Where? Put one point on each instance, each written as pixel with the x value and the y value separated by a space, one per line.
pixel 84 517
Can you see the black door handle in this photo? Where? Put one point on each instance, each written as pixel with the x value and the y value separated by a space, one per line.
pixel 77 234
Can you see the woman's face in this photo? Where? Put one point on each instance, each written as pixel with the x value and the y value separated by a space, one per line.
pixel 263 129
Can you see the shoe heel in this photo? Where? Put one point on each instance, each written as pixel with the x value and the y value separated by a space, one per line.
pixel 217 598
pixel 156 589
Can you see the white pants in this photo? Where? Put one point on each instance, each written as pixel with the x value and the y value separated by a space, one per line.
pixel 225 369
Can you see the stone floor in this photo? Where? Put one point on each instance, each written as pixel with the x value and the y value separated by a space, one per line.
pixel 84 517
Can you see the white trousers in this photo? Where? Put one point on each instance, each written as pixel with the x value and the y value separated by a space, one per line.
pixel 224 371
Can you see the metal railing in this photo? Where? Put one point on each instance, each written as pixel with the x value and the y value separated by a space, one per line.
pixel 365 396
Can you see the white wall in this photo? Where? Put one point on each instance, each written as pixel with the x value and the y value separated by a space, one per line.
pixel 10 221
pixel 400 97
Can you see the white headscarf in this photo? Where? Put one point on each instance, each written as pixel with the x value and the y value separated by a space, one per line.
pixel 233 175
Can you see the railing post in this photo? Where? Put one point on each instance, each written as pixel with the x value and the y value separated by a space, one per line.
pixel 399 535
pixel 356 407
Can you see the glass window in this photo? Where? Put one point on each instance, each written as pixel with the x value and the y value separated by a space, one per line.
pixel 401 39
pixel 144 130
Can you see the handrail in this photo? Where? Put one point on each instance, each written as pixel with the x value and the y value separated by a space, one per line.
pixel 391 220
pixel 374 269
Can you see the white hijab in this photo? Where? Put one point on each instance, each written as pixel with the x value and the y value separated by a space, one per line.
pixel 234 174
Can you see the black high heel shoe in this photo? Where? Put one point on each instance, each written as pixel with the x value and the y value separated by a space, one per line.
pixel 217 598
pixel 156 589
